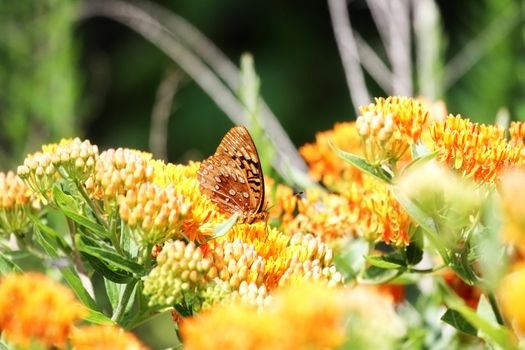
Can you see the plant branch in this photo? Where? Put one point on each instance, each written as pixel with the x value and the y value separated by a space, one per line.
pixel 160 115
pixel 167 40
pixel 347 46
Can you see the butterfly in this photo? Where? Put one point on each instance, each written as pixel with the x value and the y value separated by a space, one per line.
pixel 233 179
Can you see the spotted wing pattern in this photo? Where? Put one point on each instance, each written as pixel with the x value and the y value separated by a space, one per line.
pixel 232 178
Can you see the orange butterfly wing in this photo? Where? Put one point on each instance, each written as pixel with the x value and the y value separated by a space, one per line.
pixel 233 179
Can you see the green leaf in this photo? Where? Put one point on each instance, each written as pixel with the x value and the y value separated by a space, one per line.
pixel 53 237
pixel 112 291
pixel 112 274
pixel 224 227
pixel 98 318
pixel 456 320
pixel 414 251
pixel 7 265
pixel 421 159
pixel 69 207
pixel 383 262
pixel 110 257
pixel 493 333
pixel 362 164
pixel 425 221
pixel 377 275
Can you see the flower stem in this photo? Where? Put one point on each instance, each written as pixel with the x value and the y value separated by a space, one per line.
pixel 495 308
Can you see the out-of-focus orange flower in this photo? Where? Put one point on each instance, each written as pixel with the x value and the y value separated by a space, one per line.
pixel 511 297
pixel 311 315
pixel 104 338
pixel 36 309
pixel 324 165
pixel 389 126
pixel 477 151
pixel 513 203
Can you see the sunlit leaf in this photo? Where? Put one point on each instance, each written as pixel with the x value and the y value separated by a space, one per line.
pixel 363 165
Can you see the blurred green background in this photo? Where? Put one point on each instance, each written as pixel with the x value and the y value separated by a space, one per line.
pixel 65 72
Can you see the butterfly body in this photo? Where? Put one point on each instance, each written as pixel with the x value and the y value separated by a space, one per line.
pixel 233 179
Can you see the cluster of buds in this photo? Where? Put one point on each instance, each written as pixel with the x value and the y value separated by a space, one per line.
pixel 389 126
pixel 476 150
pixel 39 174
pixel 182 269
pixel 236 262
pixel 15 200
pixel 251 294
pixel 71 159
pixel 118 171
pixel 153 213
pixel 310 270
pixel 74 159
pixel 309 247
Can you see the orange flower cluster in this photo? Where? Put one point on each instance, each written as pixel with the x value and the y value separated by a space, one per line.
pixel 104 338
pixel 312 315
pixel 389 126
pixel 324 165
pixel 36 310
pixel 249 262
pixel 365 209
pixel 477 151
pixel 15 200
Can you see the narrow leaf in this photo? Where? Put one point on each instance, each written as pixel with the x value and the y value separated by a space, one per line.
pixel 98 318
pixel 382 262
pixel 67 205
pixel 111 258
pixel 224 227
pixel 7 265
pixel 362 164
pixel 456 320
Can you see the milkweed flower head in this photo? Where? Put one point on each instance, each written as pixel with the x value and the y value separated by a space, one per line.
pixel 16 200
pixel 71 159
pixel 117 171
pixel 201 214
pixel 476 151
pixel 323 164
pixel 153 213
pixel 389 126
pixel 36 310
pixel 181 270
pixel 105 338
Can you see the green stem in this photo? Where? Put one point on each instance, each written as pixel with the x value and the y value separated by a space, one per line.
pixel 118 313
pixel 495 308
pixel 96 210
pixel 76 255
